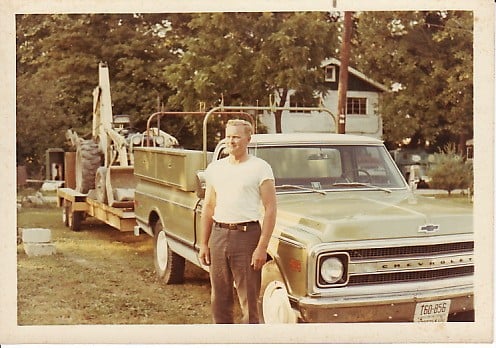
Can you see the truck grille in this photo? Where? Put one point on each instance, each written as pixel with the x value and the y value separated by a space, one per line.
pixel 396 264
pixel 411 276
pixel 415 250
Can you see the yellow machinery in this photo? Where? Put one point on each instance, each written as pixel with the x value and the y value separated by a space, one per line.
pixel 104 165
pixel 116 174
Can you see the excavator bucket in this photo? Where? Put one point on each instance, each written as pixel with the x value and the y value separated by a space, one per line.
pixel 120 185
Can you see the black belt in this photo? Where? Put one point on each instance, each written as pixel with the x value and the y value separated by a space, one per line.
pixel 241 226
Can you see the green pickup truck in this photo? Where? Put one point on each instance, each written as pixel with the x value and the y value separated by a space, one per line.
pixel 352 242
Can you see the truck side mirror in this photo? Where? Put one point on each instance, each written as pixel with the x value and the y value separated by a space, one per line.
pixel 201 184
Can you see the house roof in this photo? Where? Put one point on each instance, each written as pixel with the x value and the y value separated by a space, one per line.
pixel 357 73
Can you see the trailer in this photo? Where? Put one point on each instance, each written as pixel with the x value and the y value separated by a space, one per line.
pixel 99 175
pixel 76 206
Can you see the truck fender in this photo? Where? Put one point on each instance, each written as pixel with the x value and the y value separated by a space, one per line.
pixel 273 304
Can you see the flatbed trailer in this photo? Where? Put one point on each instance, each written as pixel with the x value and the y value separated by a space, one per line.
pixel 77 206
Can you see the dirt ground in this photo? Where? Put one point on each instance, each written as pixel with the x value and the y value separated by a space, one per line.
pixel 101 276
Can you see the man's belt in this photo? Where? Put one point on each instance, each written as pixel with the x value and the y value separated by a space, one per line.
pixel 241 226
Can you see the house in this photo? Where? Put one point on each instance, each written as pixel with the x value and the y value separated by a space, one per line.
pixel 362 117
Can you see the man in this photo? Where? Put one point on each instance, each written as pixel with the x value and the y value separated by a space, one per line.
pixel 233 242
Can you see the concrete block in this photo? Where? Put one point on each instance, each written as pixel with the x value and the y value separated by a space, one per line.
pixel 51 185
pixel 36 235
pixel 39 249
pixel 50 199
pixel 33 200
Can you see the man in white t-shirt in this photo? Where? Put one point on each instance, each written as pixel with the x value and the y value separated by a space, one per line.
pixel 233 242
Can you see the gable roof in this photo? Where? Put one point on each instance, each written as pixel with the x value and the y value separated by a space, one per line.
pixel 357 73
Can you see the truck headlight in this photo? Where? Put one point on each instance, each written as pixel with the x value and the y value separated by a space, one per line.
pixel 332 270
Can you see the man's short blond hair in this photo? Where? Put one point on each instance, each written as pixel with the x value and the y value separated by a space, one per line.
pixel 243 123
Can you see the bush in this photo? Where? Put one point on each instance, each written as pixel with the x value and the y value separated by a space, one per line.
pixel 450 171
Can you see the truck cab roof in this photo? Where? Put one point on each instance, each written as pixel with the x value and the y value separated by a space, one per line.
pixel 283 139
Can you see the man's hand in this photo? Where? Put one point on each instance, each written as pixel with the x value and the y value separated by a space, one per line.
pixel 258 258
pixel 204 255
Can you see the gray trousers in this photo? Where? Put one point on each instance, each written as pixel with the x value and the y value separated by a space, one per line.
pixel 230 259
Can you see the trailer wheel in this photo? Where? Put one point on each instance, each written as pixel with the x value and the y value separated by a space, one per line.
pixel 72 219
pixel 75 221
pixel 273 304
pixel 168 265
pixel 65 213
pixel 87 162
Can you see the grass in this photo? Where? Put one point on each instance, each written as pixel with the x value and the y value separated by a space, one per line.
pixel 455 198
pixel 101 276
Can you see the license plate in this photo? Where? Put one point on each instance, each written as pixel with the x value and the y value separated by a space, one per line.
pixel 434 311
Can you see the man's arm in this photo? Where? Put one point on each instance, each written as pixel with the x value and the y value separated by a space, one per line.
pixel 206 224
pixel 268 194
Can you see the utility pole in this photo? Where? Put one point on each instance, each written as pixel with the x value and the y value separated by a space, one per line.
pixel 343 71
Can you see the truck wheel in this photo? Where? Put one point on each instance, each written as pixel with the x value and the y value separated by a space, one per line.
pixel 87 162
pixel 100 188
pixel 274 306
pixel 168 265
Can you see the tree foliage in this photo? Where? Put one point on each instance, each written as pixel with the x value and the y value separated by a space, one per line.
pixel 428 57
pixel 243 58
pixel 178 60
pixel 450 171
pixel 57 69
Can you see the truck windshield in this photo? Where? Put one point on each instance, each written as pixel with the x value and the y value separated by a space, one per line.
pixel 335 167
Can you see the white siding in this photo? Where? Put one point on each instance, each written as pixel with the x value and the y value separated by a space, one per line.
pixel 370 124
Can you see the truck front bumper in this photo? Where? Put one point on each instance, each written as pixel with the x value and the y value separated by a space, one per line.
pixel 390 308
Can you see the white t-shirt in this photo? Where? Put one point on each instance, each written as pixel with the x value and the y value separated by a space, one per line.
pixel 237 188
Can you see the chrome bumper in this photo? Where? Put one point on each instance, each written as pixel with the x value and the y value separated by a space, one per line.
pixel 390 308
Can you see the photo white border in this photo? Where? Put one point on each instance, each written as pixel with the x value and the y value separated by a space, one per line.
pixel 481 331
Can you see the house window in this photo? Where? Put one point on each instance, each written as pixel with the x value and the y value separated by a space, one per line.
pixel 330 73
pixel 356 106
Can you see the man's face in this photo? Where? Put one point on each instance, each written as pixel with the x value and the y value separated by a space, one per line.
pixel 236 140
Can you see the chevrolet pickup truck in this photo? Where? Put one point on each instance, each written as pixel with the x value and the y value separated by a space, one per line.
pixel 352 241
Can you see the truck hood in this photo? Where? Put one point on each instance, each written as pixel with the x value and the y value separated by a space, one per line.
pixel 362 215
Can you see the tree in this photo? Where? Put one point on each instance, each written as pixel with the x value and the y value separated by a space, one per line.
pixel 242 58
pixel 450 170
pixel 180 60
pixel 426 57
pixel 57 69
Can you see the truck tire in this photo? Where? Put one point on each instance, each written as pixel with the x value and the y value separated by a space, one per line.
pixel 273 304
pixel 100 188
pixel 168 265
pixel 87 162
